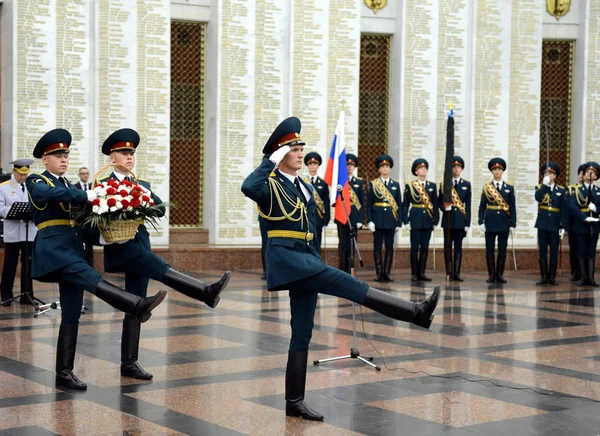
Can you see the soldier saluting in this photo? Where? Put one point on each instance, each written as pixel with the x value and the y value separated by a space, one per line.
pixel 497 218
pixel 550 220
pixel 287 204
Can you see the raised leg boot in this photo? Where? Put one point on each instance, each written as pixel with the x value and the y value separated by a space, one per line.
pixel 500 268
pixel 387 266
pixel 491 266
pixel 457 265
pixel 422 266
pixel 65 357
pixel 543 272
pixel 591 272
pixel 196 289
pixel 130 345
pixel 378 265
pixel 552 272
pixel 583 274
pixel 295 387
pixel 118 298
pixel 414 268
pixel 420 314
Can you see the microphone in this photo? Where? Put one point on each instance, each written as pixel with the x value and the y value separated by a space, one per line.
pixel 340 189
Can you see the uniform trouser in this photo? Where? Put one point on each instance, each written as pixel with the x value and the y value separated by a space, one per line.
pixel 382 235
pixel 9 269
pixel 72 280
pixel 548 238
pixel 454 237
pixel 319 236
pixel 419 240
pixel 344 246
pixel 573 252
pixel 137 272
pixel 586 245
pixel 89 253
pixel 490 243
pixel 303 300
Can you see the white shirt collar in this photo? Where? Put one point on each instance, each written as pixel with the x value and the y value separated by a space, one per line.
pixel 57 175
pixel 455 180
pixel 383 179
pixel 290 177
pixel 119 176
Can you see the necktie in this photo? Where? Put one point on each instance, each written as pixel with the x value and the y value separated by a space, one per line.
pixel 385 182
pixel 297 183
pixel 63 181
pixel 85 186
pixel 497 186
pixel 312 180
pixel 455 183
pixel 22 187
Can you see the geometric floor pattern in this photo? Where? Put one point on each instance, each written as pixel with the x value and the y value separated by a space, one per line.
pixel 516 359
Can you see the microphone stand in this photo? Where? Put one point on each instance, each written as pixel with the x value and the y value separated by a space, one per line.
pixel 354 352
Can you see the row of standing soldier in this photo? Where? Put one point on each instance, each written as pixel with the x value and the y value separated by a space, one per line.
pixel 560 209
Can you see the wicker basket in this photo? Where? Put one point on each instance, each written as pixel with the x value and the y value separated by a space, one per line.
pixel 119 230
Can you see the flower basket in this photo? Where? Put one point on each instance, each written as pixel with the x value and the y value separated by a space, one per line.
pixel 120 207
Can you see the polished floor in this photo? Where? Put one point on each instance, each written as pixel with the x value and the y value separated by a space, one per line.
pixel 499 360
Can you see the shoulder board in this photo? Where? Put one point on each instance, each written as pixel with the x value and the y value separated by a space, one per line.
pixel 272 174
pixel 559 186
pixel 104 179
pixel 358 178
pixel 40 178
pixel 538 186
pixel 5 182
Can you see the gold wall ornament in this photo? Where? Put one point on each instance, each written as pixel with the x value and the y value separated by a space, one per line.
pixel 558 8
pixel 376 5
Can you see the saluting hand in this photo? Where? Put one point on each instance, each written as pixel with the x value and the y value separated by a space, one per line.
pixel 279 154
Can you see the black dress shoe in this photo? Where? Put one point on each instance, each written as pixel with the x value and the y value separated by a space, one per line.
pixel 134 370
pixel 67 379
pixel 7 303
pixel 300 409
pixel 542 282
pixel 458 278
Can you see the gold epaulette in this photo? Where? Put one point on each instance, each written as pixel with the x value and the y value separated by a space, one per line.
pixel 538 186
pixel 358 178
pixel 272 174
pixel 559 186
pixel 4 183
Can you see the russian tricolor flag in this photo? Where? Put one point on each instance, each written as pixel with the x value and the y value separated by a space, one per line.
pixel 337 174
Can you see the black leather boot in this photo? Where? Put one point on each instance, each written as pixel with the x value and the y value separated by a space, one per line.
pixel 543 272
pixel 65 357
pixel 378 265
pixel 422 266
pixel 583 274
pixel 264 263
pixel 500 268
pixel 295 386
pixel 196 289
pixel 552 272
pixel 130 345
pixel 592 272
pixel 118 298
pixel 414 268
pixel 457 265
pixel 575 276
pixel 387 266
pixel 420 314
pixel 491 266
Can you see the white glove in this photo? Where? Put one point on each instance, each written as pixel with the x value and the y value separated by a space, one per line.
pixel 482 227
pixel 466 230
pixel 279 154
pixel 91 195
pixel 561 233
pixel 546 181
pixel 371 226
pixel 593 207
pixel 591 219
pixel 358 225
pixel 397 229
pixel 448 207
pixel 407 225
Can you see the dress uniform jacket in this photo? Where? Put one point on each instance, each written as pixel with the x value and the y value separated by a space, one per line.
pixel 490 214
pixel 14 231
pixel 55 246
pixel 414 212
pixel 459 219
pixel 578 208
pixel 379 210
pixel 116 255
pixel 292 259
pixel 552 208
pixel 322 190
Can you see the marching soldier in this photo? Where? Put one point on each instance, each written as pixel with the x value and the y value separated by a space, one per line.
pixel 550 220
pixel 357 213
pixel 421 215
pixel 456 219
pixel 384 215
pixel 573 257
pixel 321 192
pixel 583 207
pixel 295 265
pixel 17 239
pixel 497 218
pixel 137 261
pixel 58 252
